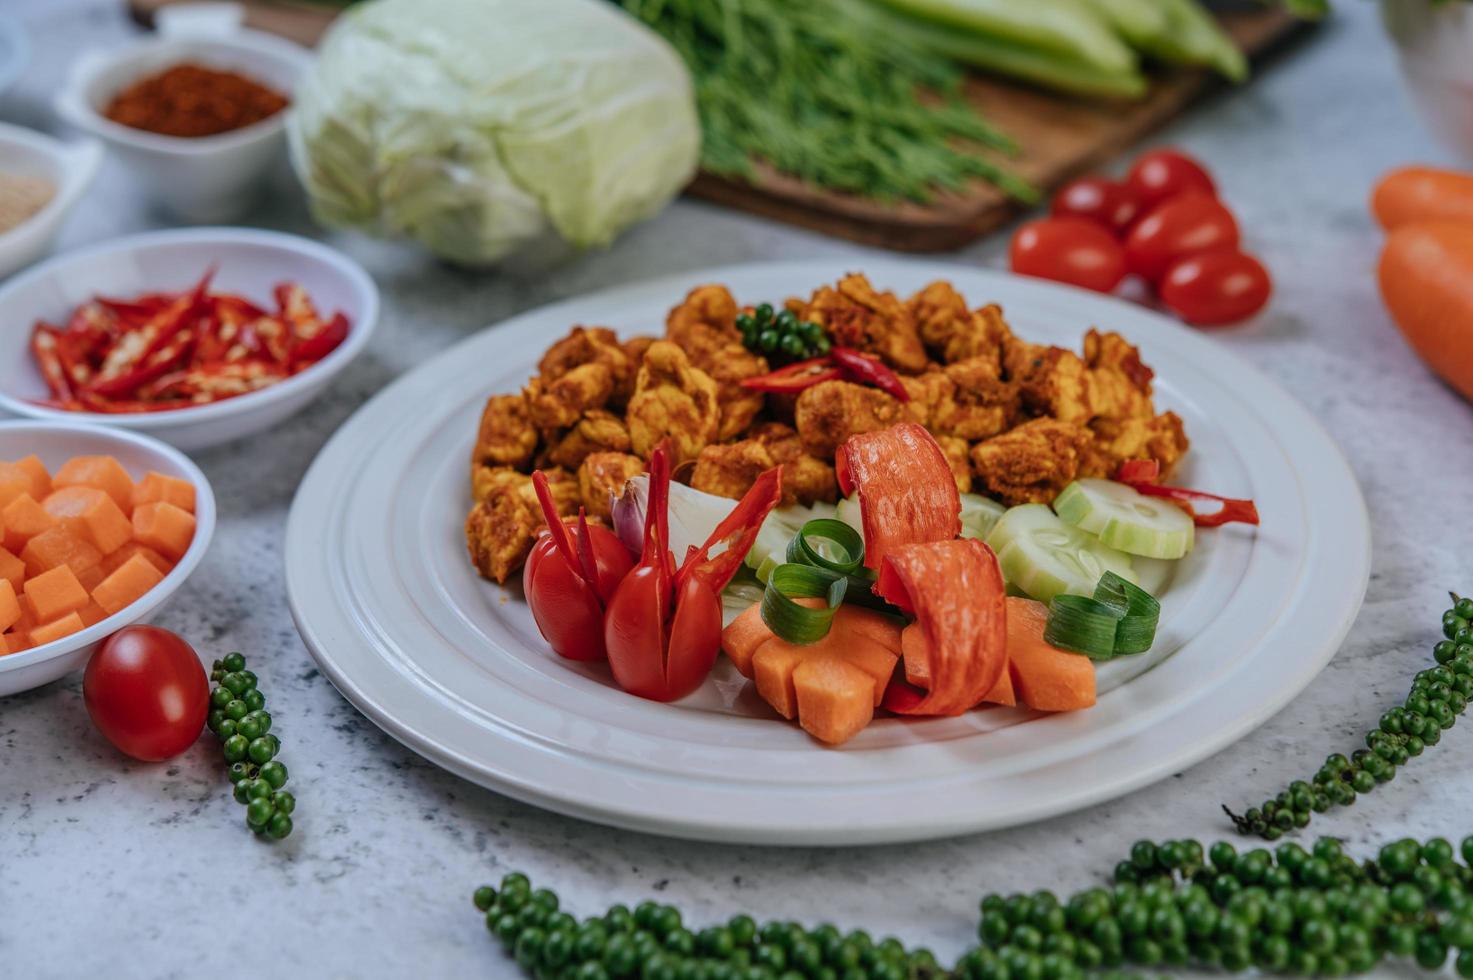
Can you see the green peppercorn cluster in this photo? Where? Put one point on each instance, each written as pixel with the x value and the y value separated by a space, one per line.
pixel 238 716
pixel 1438 696
pixel 653 943
pixel 781 335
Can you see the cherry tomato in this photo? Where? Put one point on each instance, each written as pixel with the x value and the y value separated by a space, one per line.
pixel 1071 250
pixel 1187 224
pixel 1159 175
pixel 567 608
pixel 146 692
pixel 1214 288
pixel 1109 202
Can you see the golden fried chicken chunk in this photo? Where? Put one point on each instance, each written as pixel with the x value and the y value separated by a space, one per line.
pixel 976 403
pixel 597 431
pixel 603 476
pixel 707 316
pixel 560 402
pixel 502 527
pixel 704 326
pixel 506 436
pixel 950 331
pixel 730 470
pixel 635 347
pixel 956 452
pixel 592 345
pixel 1119 383
pixel 674 400
pixel 1031 463
pixel 1051 381
pixel 855 315
pixel 829 413
pixel 1161 437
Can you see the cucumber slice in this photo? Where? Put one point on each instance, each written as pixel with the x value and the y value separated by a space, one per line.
pixel 1043 557
pixel 979 515
pixel 1125 519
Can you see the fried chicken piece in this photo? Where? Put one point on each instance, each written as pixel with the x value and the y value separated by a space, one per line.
pixel 635 347
pixel 730 470
pixel 1051 381
pixel 829 413
pixel 1119 383
pixel 502 527
pixel 955 451
pixel 592 345
pixel 603 475
pixel 561 402
pixel 1162 438
pixel 978 404
pixel 950 331
pixel 706 317
pixel 807 480
pixel 704 326
pixel 1031 463
pixel 728 367
pixel 854 315
pixel 927 392
pixel 598 431
pixel 672 399
pixel 506 436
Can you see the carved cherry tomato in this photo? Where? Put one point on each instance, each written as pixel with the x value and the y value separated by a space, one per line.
pixel 1072 250
pixel 1108 202
pixel 1216 287
pixel 1159 175
pixel 1188 224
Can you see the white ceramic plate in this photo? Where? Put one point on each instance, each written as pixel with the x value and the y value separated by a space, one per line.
pixel 451 665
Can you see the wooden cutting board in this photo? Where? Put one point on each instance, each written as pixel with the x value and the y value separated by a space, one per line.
pixel 1060 137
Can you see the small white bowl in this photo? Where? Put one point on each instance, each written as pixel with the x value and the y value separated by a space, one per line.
pixel 206 178
pixel 15 51
pixel 69 167
pixel 55 443
pixel 1435 49
pixel 246 261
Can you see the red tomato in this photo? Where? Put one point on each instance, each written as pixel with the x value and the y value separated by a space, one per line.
pixel 146 692
pixel 1109 202
pixel 568 612
pixel 1159 175
pixel 1216 287
pixel 1187 224
pixel 1071 250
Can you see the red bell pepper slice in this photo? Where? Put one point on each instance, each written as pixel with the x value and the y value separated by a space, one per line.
pixel 907 494
pixel 1142 474
pixel 662 628
pixel 866 370
pixel 796 377
pixel 955 590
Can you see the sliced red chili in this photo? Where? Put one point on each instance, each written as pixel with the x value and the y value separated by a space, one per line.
pixel 795 377
pixel 866 370
pixel 44 348
pixel 1141 474
pixel 312 349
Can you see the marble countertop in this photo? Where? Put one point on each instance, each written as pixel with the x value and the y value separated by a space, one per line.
pixel 119 869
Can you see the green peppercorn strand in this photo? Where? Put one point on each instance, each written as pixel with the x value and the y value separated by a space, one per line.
pixel 780 336
pixel 238 716
pixel 1438 696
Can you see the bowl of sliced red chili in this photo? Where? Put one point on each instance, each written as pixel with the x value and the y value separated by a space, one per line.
pixel 196 336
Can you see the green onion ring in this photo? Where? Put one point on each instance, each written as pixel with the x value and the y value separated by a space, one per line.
pixel 1139 612
pixel 789 620
pixel 805 550
pixel 1082 624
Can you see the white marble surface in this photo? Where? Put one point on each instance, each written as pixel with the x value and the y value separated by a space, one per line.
pixel 125 870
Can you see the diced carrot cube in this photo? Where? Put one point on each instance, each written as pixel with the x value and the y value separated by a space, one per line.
pixel 164 527
pixel 9 605
pixel 156 488
pixel 743 636
pixel 56 629
pixel 91 514
pixel 24 519
pixel 92 577
pixel 12 569
pixel 127 584
pixel 16 641
pixel 54 547
pixel 14 481
pixel 772 669
pixel 101 472
pixel 55 593
pixel 40 479
pixel 835 698
pixel 115 560
pixel 92 613
pixel 27 621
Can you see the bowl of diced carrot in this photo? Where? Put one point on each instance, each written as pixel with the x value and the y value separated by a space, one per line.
pixel 100 527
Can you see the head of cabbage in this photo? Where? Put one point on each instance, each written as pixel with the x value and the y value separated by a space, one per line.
pixel 480 128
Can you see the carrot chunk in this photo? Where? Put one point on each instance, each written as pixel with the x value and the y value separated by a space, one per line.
pixel 12 569
pixel 743 635
pixel 1045 677
pixel 9 605
pixel 772 669
pixel 835 699
pixel 14 481
pixel 124 586
pixel 100 472
pixel 156 488
pixel 56 629
pixel 164 527
pixel 54 547
pixel 40 479
pixel 24 519
pixel 55 593
pixel 115 560
pixel 92 613
pixel 91 514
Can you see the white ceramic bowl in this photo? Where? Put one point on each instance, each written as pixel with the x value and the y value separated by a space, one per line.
pixel 55 443
pixel 1435 47
pixel 207 178
pixel 70 168
pixel 248 262
pixel 14 51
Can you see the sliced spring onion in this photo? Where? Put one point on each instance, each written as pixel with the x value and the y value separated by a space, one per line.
pixel 1120 619
pixel 1139 613
pixel 829 544
pixel 791 621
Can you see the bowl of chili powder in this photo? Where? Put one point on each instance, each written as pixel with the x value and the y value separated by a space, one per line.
pixel 197 111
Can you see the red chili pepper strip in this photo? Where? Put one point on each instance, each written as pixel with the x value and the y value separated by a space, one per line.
pixel 795 377
pixel 159 363
pixel 955 589
pixel 737 532
pixel 1141 474
pixel 135 347
pixel 48 359
pixel 866 370
pixel 313 349
pixel 907 494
